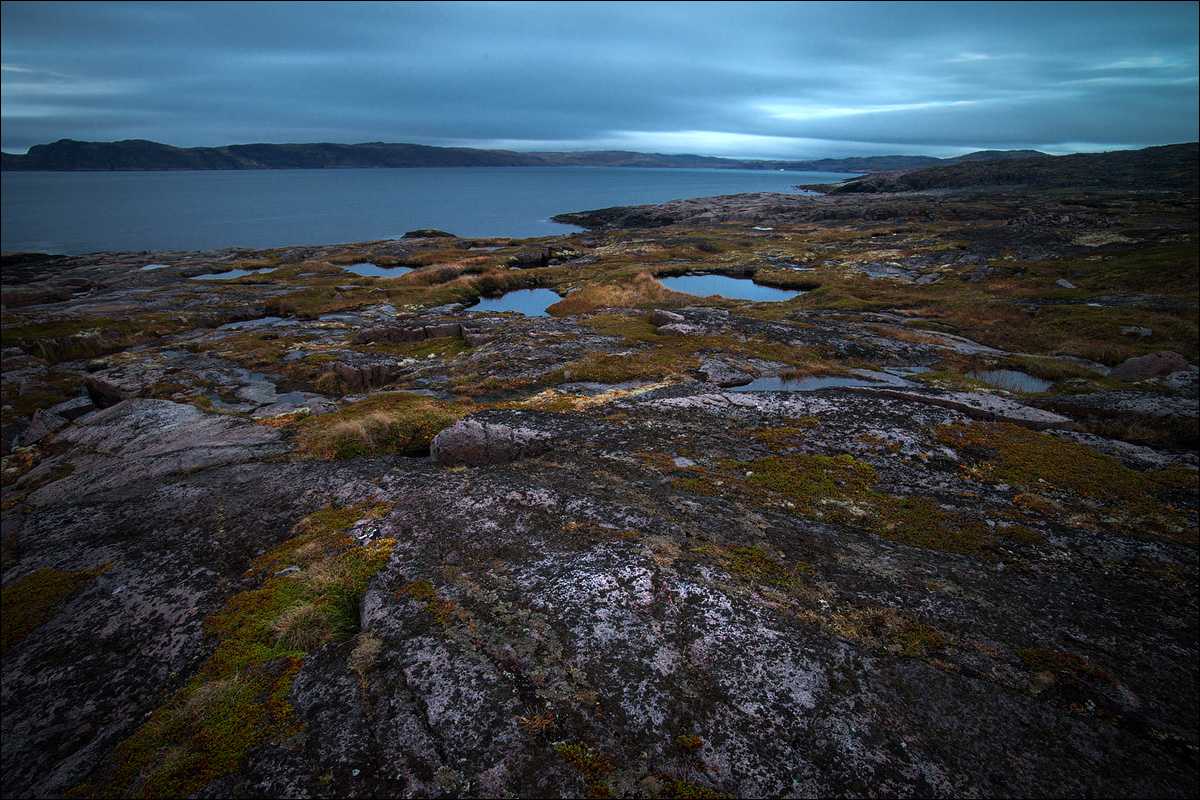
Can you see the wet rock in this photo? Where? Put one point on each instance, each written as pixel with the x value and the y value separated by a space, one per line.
pixel 1152 365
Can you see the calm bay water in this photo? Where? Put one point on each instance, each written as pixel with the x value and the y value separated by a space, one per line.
pixel 82 212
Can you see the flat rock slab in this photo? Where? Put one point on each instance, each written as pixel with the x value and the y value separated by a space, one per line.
pixel 981 406
pixel 147 440
pixel 1144 404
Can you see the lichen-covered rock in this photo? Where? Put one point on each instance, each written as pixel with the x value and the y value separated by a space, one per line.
pixel 722 373
pixel 491 439
pixel 151 440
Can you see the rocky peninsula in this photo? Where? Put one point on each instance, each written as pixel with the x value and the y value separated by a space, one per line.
pixel 273 527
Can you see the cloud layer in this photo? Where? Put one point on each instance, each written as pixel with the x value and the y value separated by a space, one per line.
pixel 738 79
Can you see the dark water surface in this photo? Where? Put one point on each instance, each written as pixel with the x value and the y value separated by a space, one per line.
pixel 530 302
pixel 369 270
pixel 83 212
pixel 725 286
pixel 1012 380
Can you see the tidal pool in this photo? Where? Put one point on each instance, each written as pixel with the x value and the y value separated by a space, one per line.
pixel 369 270
pixel 862 377
pixel 231 274
pixel 725 286
pixel 530 302
pixel 1012 380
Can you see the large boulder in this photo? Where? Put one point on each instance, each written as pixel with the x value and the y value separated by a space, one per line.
pixel 1153 365
pixel 722 373
pixel 480 440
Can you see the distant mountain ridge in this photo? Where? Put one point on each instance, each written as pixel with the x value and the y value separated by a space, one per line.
pixel 140 154
pixel 1171 167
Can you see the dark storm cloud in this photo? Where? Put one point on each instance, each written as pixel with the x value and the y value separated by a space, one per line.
pixel 772 79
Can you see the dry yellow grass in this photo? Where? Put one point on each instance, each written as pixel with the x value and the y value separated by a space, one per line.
pixel 643 290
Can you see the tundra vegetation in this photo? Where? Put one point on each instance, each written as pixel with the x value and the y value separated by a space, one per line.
pixel 305 532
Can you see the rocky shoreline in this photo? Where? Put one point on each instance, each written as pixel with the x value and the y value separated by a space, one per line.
pixel 309 533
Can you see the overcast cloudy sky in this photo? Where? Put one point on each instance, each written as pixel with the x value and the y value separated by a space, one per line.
pixel 738 79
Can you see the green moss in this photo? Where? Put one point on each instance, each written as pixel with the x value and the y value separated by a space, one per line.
pixel 1020 534
pixel 841 489
pixel 918 640
pixel 952 380
pixel 88 337
pixel 679 789
pixel 698 484
pixel 444 612
pixel 786 435
pixel 593 765
pixel 38 392
pixel 1064 665
pixel 921 522
pixel 631 329
pixel 807 480
pixel 755 565
pixel 238 699
pixel 1010 454
pixel 34 599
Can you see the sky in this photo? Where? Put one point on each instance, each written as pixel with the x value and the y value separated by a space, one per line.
pixel 749 80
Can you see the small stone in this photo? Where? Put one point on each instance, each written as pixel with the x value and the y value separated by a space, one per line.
pixel 73 409
pixel 663 317
pixel 1063 283
pixel 292 570
pixel 43 424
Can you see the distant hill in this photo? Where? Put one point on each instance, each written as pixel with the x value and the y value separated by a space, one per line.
pixel 140 154
pixel 1172 166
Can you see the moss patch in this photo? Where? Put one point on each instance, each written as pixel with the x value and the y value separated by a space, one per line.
pixel 34 599
pixel 239 697
pixel 841 489
pixel 1139 502
pixel 755 565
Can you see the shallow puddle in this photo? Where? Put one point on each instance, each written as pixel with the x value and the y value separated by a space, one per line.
pixel 727 287
pixel 231 274
pixel 1012 380
pixel 811 383
pixel 530 302
pixel 369 270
